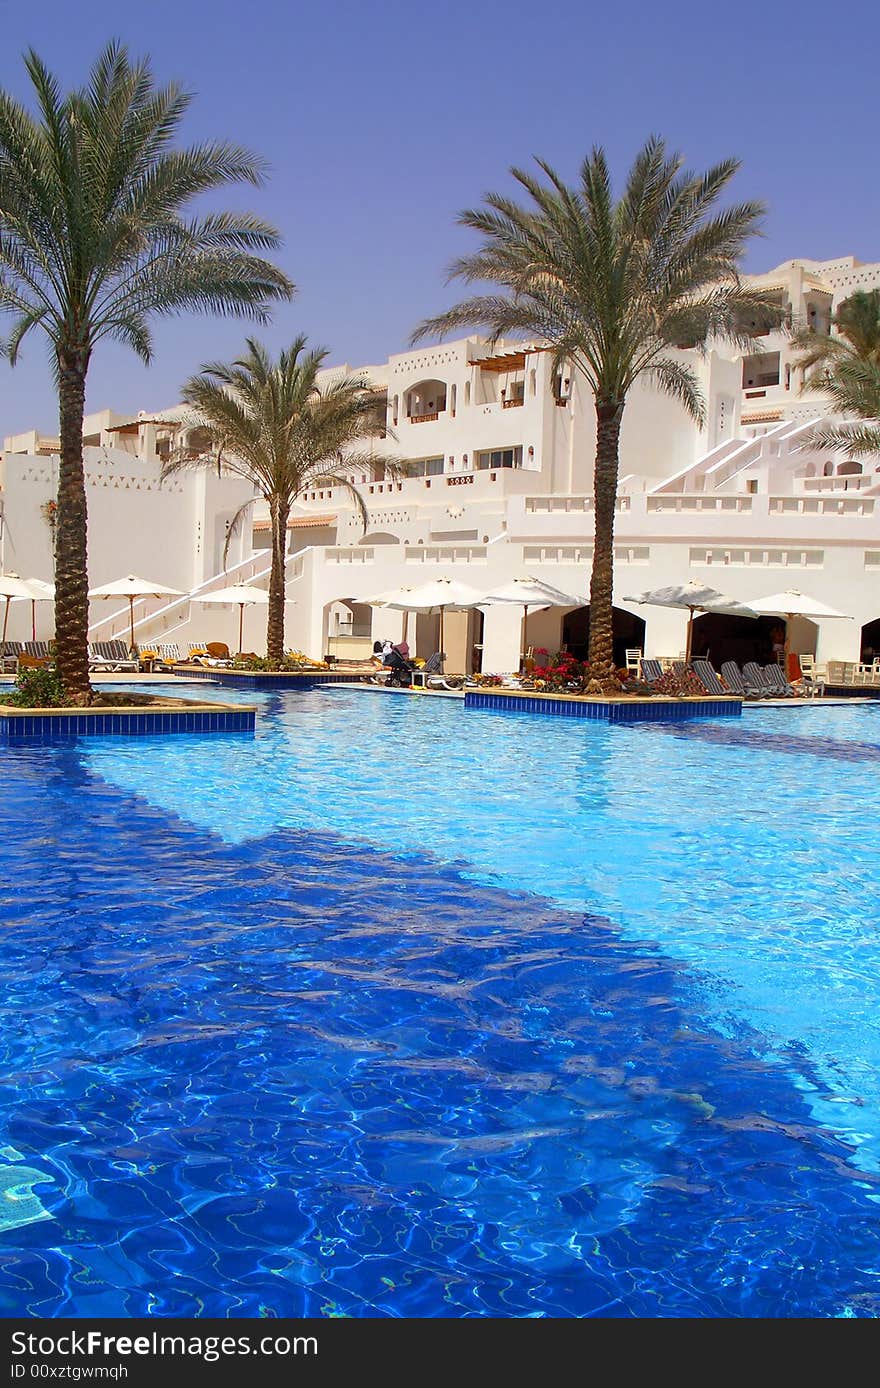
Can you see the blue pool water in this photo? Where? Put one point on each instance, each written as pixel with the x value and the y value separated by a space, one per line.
pixel 401 1010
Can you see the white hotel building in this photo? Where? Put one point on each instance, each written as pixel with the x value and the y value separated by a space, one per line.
pixel 499 457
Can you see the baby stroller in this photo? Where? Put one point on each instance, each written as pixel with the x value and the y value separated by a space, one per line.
pixel 399 670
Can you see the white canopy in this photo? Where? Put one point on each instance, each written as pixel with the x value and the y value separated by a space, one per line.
pixel 133 587
pixel 42 592
pixel 387 599
pixel 693 597
pixel 438 593
pixel 533 592
pixel 793 603
pixel 11 586
pixel 244 593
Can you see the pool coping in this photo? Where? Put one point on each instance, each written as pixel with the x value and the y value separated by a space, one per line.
pixel 265 679
pixel 35 725
pixel 626 709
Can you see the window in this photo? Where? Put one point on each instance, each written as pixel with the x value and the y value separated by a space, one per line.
pixel 425 467
pixel 499 458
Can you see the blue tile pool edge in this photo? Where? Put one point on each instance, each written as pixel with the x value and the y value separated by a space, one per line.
pixel 49 726
pixel 265 679
pixel 605 710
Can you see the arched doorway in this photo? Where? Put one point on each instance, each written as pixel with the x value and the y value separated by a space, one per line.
pixel 627 633
pixel 348 628
pixel 870 643
pixel 719 637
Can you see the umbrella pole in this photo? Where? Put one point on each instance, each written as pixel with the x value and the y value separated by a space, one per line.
pixel 441 628
pixel 690 636
pixel 6 617
pixel 131 622
pixel 33 621
pixel 524 636
pixel 785 649
pixel 240 624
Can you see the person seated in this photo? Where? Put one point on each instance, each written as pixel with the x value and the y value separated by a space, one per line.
pixel 380 651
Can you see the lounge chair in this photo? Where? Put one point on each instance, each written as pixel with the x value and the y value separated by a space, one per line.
pixel 777 681
pixel 651 670
pixel 431 675
pixel 111 656
pixel 705 673
pixel 9 656
pixel 737 683
pixel 214 653
pixel 36 655
pixel 169 655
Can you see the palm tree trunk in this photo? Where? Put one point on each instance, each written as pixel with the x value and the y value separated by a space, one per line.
pixel 71 554
pixel 279 512
pixel 601 654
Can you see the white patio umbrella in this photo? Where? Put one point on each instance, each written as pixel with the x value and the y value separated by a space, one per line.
pixel 242 594
pixel 11 586
pixel 793 603
pixel 132 587
pixel 387 600
pixel 42 592
pixel 437 595
pixel 532 593
pixel 694 597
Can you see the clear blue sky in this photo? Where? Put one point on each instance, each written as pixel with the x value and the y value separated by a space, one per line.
pixel 381 121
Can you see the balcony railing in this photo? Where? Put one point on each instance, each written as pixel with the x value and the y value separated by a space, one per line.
pixel 445 554
pixel 424 418
pixel 512 404
pixel 851 483
pixel 687 501
pixel 822 505
pixel 541 505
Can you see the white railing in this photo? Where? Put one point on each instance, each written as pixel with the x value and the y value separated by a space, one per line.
pixel 445 554
pixel 541 505
pixel 691 501
pixel 176 613
pixel 350 554
pixel 857 482
pixel 822 506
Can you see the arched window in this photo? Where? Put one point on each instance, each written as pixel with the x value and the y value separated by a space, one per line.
pixel 425 400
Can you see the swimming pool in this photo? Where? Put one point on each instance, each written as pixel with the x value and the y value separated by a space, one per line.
pixel 402 1010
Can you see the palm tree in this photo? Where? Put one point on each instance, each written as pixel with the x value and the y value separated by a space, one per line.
pixel 612 287
pixel 846 366
pixel 272 424
pixel 94 242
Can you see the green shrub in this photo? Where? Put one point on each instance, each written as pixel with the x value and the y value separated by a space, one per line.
pixel 289 665
pixel 38 687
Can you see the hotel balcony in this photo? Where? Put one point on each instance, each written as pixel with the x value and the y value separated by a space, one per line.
pixel 732 518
